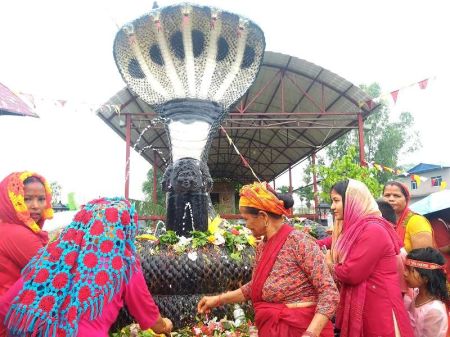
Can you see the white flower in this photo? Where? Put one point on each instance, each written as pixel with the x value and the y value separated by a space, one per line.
pixel 220 240
pixel 184 241
pixel 192 256
pixel 240 246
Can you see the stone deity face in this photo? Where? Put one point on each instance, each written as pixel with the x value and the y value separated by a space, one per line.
pixel 187 177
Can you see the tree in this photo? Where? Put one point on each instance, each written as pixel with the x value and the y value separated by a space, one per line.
pixel 306 193
pixel 149 206
pixel 147 188
pixel 347 168
pixel 56 192
pixel 384 140
pixel 283 189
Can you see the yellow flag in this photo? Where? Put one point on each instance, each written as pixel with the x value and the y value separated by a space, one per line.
pixel 443 185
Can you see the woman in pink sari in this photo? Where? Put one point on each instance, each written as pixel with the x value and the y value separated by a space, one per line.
pixel 363 261
pixel 292 290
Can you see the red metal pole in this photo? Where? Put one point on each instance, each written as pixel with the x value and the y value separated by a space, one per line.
pixel 316 193
pixel 127 155
pixel 290 179
pixel 155 180
pixel 290 187
pixel 362 161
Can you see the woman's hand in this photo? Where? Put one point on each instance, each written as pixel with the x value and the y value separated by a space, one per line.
pixel 328 258
pixel 207 303
pixel 168 326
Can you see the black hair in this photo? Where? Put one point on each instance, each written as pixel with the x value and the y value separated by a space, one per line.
pixel 288 202
pixel 32 179
pixel 341 188
pixel 387 211
pixel 436 279
pixel 401 186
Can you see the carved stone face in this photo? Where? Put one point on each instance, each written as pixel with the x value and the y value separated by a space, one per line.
pixel 186 176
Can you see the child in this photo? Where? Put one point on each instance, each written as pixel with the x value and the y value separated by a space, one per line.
pixel 425 271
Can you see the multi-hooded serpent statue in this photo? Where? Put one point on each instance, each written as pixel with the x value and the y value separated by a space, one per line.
pixel 191 64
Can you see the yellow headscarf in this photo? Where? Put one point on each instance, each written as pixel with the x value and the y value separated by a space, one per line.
pixel 260 196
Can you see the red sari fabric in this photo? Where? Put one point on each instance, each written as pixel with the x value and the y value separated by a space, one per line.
pixel 275 319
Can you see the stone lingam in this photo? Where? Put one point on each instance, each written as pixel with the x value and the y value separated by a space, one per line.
pixel 191 64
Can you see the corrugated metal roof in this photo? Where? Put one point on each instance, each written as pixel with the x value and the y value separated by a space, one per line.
pixel 423 167
pixel 293 109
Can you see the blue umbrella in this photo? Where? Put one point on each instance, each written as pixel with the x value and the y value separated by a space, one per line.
pixel 436 201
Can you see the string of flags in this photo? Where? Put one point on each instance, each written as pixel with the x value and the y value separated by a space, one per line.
pixel 414 177
pixel 33 101
pixel 423 84
pixel 244 161
pixel 93 107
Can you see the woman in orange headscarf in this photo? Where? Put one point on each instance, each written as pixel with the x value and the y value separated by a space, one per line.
pixel 25 204
pixel 292 290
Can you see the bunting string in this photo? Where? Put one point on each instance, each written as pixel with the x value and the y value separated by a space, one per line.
pixel 414 177
pixel 423 84
pixel 244 161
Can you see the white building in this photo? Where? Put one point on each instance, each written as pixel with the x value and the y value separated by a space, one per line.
pixel 436 174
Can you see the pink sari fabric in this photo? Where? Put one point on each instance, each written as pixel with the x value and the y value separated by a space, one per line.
pixel 360 210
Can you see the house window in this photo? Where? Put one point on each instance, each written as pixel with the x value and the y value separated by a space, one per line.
pixel 436 181
pixel 413 185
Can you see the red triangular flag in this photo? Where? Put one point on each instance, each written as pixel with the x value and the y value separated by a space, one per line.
pixel 394 95
pixel 369 104
pixel 244 161
pixel 423 84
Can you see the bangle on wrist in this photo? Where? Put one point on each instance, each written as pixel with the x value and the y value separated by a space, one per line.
pixel 309 334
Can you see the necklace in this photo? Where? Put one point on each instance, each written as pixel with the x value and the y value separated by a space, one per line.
pixel 427 301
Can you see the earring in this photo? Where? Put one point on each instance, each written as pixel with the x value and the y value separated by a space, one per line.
pixel 266 224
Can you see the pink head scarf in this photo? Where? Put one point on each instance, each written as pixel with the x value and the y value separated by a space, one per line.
pixel 360 210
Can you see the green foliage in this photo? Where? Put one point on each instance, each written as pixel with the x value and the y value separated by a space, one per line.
pixel 345 168
pixel 306 193
pixel 283 189
pixel 149 206
pixel 71 202
pixel 199 239
pixel 169 238
pixel 384 139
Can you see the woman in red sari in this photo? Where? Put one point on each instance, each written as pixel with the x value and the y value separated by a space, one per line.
pixel 363 261
pixel 25 204
pixel 292 290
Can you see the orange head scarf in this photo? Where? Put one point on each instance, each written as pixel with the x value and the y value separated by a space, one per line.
pixel 12 203
pixel 263 197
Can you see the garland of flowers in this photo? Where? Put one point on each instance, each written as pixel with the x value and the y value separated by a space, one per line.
pixel 234 237
pixel 207 328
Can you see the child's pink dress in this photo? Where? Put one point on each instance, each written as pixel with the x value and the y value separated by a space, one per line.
pixel 429 319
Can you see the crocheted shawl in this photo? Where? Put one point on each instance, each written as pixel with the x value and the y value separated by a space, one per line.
pixel 79 272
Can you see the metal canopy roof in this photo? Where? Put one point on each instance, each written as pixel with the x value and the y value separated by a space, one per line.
pixel 293 109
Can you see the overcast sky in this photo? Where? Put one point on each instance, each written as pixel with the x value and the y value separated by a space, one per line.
pixel 63 50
